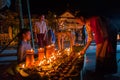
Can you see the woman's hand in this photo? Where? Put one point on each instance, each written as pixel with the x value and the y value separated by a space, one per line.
pixel 82 52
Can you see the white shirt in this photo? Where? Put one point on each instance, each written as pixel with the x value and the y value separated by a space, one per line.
pixel 40 27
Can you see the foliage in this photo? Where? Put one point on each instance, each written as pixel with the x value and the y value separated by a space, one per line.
pixel 52 22
pixel 11 18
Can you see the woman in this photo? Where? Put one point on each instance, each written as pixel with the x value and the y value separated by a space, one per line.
pixel 105 38
pixel 25 36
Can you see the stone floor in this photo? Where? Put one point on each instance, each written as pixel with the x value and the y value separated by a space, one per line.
pixel 90 65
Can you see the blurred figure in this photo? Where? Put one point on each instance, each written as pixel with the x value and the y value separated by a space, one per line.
pixel 24 44
pixel 51 37
pixel 72 37
pixel 83 34
pixel 40 30
pixel 105 38
pixel 76 36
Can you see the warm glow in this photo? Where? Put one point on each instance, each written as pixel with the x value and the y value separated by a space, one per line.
pixel 44 56
pixel 52 62
pixel 52 44
pixel 49 46
pixel 67 49
pixel 29 57
pixel 40 48
pixel 31 50
pixel 48 61
pixel 59 53
pixel 23 65
pixel 79 53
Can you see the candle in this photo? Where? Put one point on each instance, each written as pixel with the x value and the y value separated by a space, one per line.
pixel 53 48
pixel 41 54
pixel 29 57
pixel 48 51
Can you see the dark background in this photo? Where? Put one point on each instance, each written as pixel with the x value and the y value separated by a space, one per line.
pixel 86 7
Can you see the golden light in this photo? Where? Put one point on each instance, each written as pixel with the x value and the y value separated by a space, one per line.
pixel 23 65
pixel 29 58
pixel 41 54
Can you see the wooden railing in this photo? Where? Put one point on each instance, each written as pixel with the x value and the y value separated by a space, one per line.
pixel 8 44
pixel 8 55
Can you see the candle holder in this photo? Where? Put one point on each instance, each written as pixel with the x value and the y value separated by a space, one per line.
pixel 29 58
pixel 41 54
pixel 48 51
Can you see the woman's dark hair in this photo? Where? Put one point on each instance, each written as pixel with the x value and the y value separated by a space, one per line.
pixel 41 15
pixel 23 31
pixel 85 18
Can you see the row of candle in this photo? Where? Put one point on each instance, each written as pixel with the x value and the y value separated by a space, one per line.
pixel 50 49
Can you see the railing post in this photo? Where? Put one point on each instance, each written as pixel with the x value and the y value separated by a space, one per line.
pixel 30 22
pixel 21 15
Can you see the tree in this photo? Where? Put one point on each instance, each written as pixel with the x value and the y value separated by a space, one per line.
pixel 51 20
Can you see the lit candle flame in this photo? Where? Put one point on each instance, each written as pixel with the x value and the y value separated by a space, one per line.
pixel 52 44
pixel 40 48
pixel 48 61
pixel 59 53
pixel 31 50
pixel 49 46
pixel 23 66
pixel 40 64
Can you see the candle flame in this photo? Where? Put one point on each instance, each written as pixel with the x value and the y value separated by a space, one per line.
pixel 40 48
pixel 31 50
pixel 59 53
pixel 40 64
pixel 52 44
pixel 48 61
pixel 49 45
pixel 67 49
pixel 23 66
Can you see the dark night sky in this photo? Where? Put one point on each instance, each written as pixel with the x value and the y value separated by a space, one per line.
pixel 87 7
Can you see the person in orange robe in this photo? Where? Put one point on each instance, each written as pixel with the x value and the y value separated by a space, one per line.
pixel 106 40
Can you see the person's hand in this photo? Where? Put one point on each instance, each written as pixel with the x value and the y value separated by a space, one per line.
pixel 82 52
